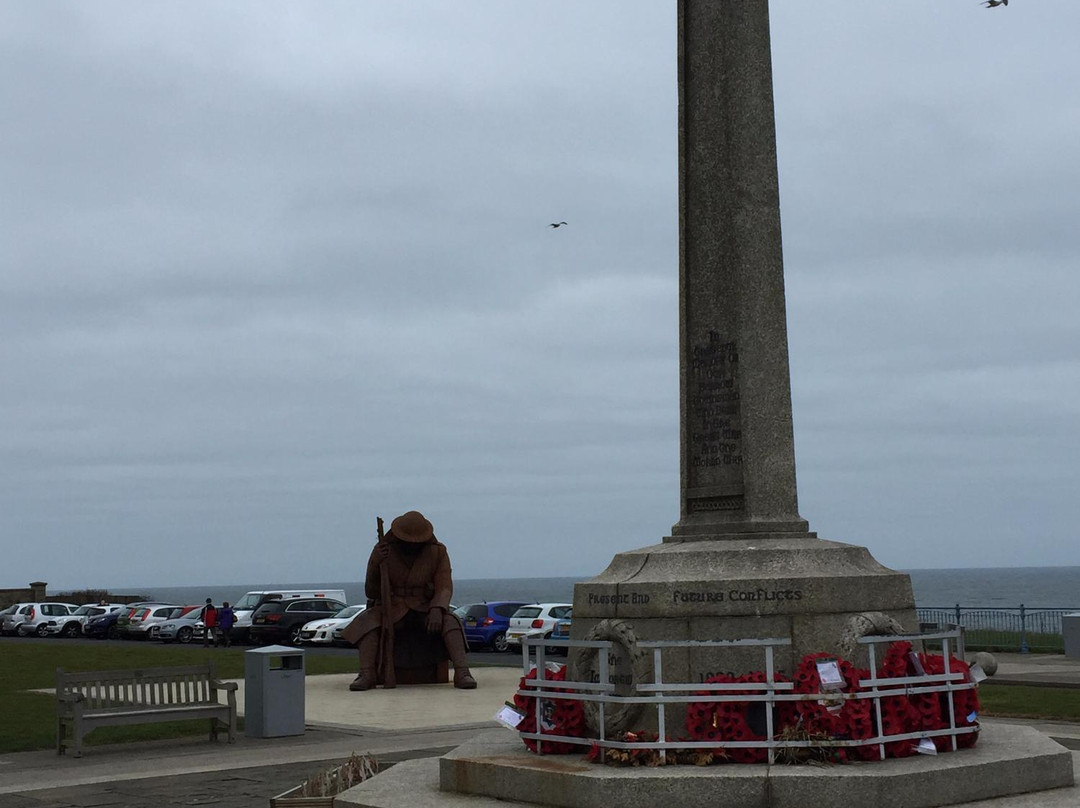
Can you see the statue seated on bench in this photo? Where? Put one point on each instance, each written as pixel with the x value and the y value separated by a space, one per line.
pixel 420 586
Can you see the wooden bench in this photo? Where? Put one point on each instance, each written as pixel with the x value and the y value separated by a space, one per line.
pixel 85 701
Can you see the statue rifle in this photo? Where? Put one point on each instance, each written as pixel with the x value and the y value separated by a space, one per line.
pixel 389 677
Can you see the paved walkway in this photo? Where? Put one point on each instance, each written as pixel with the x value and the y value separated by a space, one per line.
pixel 406 723
pixel 1053 670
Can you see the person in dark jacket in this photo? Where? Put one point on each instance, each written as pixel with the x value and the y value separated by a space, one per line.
pixel 226 618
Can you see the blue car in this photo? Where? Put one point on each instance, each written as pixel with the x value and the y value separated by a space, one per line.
pixel 486 623
pixel 104 626
pixel 562 631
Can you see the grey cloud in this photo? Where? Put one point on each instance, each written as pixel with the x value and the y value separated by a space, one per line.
pixel 271 271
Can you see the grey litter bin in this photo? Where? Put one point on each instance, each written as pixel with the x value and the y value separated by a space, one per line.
pixel 1070 630
pixel 273 692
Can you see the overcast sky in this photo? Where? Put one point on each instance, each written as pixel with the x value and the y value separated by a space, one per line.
pixel 269 270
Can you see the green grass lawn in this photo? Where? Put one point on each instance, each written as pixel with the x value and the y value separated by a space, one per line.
pixel 29 718
pixel 1020 701
pixel 985 639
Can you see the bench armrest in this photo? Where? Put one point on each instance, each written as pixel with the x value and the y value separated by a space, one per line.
pixel 70 698
pixel 221 685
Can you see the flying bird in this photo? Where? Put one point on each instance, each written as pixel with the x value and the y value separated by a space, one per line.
pixel 560 224
pixel 992 3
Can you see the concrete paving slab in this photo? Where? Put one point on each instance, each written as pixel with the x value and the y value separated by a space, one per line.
pixel 414 784
pixel 1046 670
pixel 329 702
pixel 30 772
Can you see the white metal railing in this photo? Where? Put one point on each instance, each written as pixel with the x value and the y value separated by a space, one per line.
pixel 662 694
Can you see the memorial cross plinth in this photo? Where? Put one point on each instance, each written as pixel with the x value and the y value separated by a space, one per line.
pixel 741 562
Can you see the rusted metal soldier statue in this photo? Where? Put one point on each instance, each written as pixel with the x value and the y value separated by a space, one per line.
pixel 416 568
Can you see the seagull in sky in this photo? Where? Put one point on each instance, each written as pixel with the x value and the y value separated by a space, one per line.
pixel 560 224
pixel 992 3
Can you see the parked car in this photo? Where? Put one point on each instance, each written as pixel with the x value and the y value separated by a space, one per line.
pixel 36 617
pixel 534 620
pixel 143 622
pixel 562 631
pixel 246 606
pixel 105 626
pixel 72 625
pixel 10 617
pixel 321 632
pixel 183 625
pixel 486 623
pixel 281 621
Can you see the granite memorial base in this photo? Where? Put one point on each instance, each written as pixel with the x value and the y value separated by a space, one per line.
pixel 496 769
pixel 806 590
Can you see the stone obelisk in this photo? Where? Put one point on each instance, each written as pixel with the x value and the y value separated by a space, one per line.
pixel 738 456
pixel 741 562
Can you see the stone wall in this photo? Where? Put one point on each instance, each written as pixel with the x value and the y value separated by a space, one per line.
pixel 34 592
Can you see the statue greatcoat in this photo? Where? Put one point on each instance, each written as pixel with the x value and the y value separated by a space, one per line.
pixel 417 583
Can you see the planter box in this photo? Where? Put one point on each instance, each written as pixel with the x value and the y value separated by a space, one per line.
pixel 337 779
pixel 292 799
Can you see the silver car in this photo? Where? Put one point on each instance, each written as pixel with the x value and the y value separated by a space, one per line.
pixel 10 617
pixel 36 618
pixel 144 621
pixel 39 617
pixel 183 625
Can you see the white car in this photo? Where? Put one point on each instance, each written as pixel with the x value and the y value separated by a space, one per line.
pixel 321 632
pixel 37 617
pixel 10 617
pixel 535 620
pixel 72 624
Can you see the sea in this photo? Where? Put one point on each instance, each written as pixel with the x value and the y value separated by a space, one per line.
pixel 1044 587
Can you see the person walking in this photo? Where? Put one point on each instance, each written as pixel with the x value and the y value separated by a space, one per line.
pixel 209 618
pixel 225 618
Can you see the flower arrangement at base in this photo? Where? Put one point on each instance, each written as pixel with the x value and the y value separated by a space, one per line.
pixel 840 719
pixel 558 716
pixel 827 714
pixel 731 720
pixel 650 757
pixel 965 702
pixel 898 714
pixel 925 711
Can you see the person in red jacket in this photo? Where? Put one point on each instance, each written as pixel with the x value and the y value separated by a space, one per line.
pixel 209 618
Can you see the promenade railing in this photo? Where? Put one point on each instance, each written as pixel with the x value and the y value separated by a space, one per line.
pixel 661 694
pixel 1019 629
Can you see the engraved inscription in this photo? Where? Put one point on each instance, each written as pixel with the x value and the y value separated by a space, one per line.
pixel 615 600
pixel 715 431
pixel 737 595
pixel 618 671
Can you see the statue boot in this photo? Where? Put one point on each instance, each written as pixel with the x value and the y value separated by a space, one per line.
pixel 369 654
pixel 455 648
